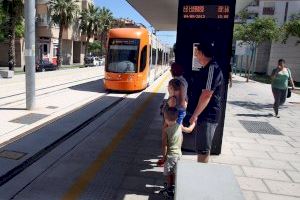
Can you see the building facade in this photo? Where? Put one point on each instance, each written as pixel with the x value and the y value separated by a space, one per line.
pixel 269 53
pixel 73 43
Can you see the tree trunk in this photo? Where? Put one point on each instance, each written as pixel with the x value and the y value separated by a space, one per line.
pixel 59 52
pixel 247 70
pixel 87 46
pixel 12 41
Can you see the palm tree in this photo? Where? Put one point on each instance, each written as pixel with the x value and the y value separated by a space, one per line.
pixel 63 13
pixel 89 23
pixel 106 22
pixel 14 11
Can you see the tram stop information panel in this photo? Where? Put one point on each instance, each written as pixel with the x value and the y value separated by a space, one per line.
pixel 205 21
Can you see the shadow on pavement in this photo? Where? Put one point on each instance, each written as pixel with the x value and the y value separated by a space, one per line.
pixel 93 86
pixel 252 105
pixel 255 115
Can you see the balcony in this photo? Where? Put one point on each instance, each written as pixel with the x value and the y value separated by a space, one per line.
pixel 42 20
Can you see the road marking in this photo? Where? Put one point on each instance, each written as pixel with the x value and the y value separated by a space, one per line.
pixel 81 183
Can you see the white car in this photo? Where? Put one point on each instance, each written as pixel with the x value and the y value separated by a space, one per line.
pixel 91 61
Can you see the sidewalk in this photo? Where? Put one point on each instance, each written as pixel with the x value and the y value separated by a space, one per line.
pixel 265 157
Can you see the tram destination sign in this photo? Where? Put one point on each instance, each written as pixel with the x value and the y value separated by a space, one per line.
pixel 199 12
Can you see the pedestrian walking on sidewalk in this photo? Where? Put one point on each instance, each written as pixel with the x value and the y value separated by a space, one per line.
pixel 210 85
pixel 280 76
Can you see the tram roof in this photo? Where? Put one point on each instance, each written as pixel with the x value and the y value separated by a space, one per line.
pixel 162 14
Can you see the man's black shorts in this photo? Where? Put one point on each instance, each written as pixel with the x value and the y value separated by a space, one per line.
pixel 204 133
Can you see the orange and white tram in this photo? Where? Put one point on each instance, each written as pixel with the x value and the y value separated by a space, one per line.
pixel 134 60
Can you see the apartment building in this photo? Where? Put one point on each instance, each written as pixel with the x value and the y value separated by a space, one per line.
pixel 73 44
pixel 269 53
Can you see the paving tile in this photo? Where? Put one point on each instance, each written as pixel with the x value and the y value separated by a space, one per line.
pixel 263 173
pixel 252 184
pixel 256 147
pixel 249 195
pixel 228 159
pixel 268 196
pixel 231 145
pixel 250 153
pixel 285 156
pixel 295 165
pixel 277 137
pixel 237 170
pixel 274 142
pixel 296 138
pixel 241 140
pixel 284 188
pixel 295 144
pixel 294 175
pixel 272 164
pixel 292 150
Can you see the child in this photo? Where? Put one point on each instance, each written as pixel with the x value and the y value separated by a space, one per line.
pixel 171 148
pixel 175 89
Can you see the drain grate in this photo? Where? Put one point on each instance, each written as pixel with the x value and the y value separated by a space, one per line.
pixel 13 155
pixel 259 127
pixel 29 118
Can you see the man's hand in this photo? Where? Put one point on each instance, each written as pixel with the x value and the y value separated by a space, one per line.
pixel 193 119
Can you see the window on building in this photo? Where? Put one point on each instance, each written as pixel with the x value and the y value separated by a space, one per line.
pixel 55 50
pixel 45 49
pixel 269 8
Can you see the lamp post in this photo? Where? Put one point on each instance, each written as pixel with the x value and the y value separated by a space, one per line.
pixel 30 53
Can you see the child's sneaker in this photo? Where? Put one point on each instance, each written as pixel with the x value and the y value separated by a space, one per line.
pixel 167 192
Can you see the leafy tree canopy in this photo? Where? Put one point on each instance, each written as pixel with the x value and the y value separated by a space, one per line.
pixel 257 32
pixel 292 28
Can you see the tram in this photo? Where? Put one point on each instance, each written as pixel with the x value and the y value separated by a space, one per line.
pixel 134 60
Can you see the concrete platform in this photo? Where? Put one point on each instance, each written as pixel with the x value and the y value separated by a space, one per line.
pixel 115 157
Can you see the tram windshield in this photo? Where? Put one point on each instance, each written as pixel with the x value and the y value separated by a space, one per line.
pixel 123 55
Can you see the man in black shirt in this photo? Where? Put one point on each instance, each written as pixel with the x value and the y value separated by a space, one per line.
pixel 208 110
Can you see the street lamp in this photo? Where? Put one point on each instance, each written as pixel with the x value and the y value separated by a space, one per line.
pixel 30 52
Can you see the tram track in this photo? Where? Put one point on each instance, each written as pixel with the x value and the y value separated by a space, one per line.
pixel 45 88
pixel 44 151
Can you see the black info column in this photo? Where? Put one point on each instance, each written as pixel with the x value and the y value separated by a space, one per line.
pixel 204 21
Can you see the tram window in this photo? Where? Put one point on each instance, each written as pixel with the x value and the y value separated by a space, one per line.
pixel 122 56
pixel 143 60
pixel 153 56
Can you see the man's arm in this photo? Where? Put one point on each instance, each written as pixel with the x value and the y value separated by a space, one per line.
pixel 202 103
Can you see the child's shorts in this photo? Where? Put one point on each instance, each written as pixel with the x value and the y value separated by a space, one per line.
pixel 170 165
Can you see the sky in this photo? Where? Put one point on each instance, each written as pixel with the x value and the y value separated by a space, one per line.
pixel 121 9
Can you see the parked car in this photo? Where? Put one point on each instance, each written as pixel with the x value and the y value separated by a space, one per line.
pixel 102 61
pixel 91 61
pixel 45 65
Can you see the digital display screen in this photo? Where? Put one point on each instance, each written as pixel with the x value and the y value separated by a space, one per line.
pixel 123 42
pixel 206 12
